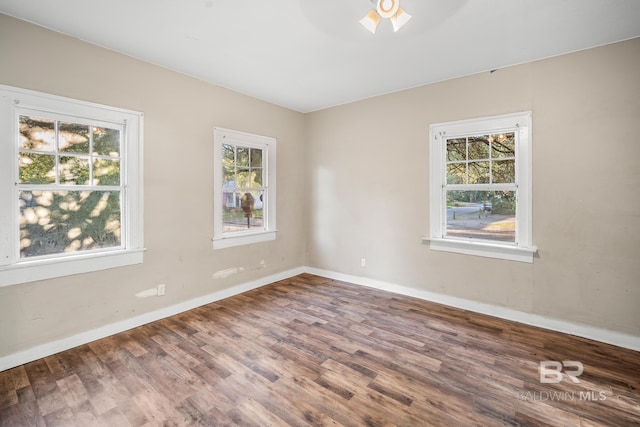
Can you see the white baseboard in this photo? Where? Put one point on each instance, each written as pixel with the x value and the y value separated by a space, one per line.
pixel 581 330
pixel 44 350
pixel 598 334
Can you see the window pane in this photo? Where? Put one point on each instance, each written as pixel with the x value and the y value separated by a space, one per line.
pixel 243 156
pixel 478 172
pixel 74 170
pixel 256 177
pixel 256 158
pixel 37 134
pixel 503 171
pixel 228 154
pixel 487 215
pixel 37 168
pixel 456 149
pixel 106 172
pixel 456 173
pixel 243 177
pixel 478 147
pixel 106 142
pixel 228 176
pixel 53 222
pixel 73 138
pixel 242 211
pixel 503 145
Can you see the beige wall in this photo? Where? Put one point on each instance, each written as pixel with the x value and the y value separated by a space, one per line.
pixel 180 114
pixel 353 183
pixel 368 188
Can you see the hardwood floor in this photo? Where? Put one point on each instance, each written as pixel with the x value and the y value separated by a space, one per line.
pixel 312 351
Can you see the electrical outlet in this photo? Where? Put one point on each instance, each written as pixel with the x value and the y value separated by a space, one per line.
pixel 161 290
pixel 363 262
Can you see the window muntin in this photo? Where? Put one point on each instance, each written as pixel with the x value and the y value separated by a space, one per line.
pixel 475 161
pixel 481 159
pixel 71 198
pixel 69 185
pixel 480 190
pixel 244 188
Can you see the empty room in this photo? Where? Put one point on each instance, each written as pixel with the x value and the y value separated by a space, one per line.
pixel 319 213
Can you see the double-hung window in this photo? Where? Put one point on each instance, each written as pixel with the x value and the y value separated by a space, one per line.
pixel 480 201
pixel 70 186
pixel 244 188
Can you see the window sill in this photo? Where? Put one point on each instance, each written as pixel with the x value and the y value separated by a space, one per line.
pixel 31 271
pixel 487 250
pixel 243 239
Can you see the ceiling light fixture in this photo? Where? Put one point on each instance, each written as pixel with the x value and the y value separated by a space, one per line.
pixel 385 9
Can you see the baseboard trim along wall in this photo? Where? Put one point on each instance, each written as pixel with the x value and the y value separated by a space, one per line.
pixel 44 350
pixel 581 330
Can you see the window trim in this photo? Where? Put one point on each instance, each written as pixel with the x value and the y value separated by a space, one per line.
pixel 14 270
pixel 268 144
pixel 523 249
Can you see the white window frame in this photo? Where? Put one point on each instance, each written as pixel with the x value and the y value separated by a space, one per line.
pixel 268 145
pixel 15 270
pixel 523 249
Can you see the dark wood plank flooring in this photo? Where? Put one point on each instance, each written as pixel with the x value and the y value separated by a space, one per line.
pixel 312 351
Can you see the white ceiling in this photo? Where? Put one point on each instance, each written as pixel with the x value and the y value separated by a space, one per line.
pixel 312 54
